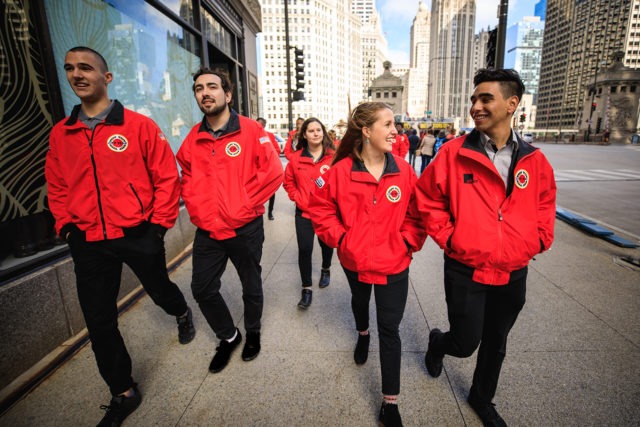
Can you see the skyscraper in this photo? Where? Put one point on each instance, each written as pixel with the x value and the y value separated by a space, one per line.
pixel 579 40
pixel 632 43
pixel 451 58
pixel 540 9
pixel 418 77
pixel 524 50
pixel 329 34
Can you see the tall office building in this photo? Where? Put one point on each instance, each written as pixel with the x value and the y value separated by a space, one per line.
pixel 373 45
pixel 480 41
pixel 451 58
pixel 632 42
pixel 580 39
pixel 329 34
pixel 418 76
pixel 540 9
pixel 524 50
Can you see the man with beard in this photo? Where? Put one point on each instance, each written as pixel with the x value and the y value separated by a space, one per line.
pixel 229 170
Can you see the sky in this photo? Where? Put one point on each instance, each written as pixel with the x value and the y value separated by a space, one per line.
pixel 397 18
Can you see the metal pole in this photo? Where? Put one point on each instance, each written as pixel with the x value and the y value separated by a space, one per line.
pixel 593 96
pixel 287 49
pixel 502 32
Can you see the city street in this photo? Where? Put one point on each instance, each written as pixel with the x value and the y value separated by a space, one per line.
pixel 573 356
pixel 599 182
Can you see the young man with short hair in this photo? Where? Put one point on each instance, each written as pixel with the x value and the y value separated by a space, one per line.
pixel 488 200
pixel 113 190
pixel 229 170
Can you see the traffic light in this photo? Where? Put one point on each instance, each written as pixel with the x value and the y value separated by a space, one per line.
pixel 593 106
pixel 296 95
pixel 523 117
pixel 299 67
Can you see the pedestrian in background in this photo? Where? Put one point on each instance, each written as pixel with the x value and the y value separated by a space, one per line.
pixel 401 146
pixel 426 149
pixel 440 140
pixel 229 170
pixel 262 122
pixel 307 165
pixel 292 141
pixel 488 200
pixel 362 207
pixel 111 215
pixel 414 142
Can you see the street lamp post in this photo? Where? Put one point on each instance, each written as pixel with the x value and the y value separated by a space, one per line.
pixel 593 96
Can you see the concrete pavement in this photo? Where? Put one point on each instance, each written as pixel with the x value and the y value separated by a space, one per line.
pixel 573 356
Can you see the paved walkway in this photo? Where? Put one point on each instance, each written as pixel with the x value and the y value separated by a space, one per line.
pixel 573 356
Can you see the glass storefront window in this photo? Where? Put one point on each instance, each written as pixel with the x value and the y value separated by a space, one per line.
pixel 217 34
pixel 152 58
pixel 182 8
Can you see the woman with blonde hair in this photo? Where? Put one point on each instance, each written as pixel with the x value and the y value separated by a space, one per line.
pixel 362 207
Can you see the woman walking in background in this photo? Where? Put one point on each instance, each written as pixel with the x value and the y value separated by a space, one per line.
pixel 307 165
pixel 361 206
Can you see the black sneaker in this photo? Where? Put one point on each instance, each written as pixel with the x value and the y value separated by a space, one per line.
pixel 486 412
pixel 389 415
pixel 120 408
pixel 271 217
pixel 223 353
pixel 361 353
pixel 305 301
pixel 186 330
pixel 325 278
pixel 431 360
pixel 251 346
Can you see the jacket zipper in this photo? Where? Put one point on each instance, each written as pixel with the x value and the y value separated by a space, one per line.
pixel 95 177
pixel 137 197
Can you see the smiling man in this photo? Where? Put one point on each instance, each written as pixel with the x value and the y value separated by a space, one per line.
pixel 488 200
pixel 229 170
pixel 114 191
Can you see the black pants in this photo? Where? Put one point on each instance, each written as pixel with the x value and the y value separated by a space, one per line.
pixel 98 267
pixel 480 314
pixel 305 235
pixel 425 162
pixel 209 262
pixel 412 158
pixel 390 302
pixel 272 200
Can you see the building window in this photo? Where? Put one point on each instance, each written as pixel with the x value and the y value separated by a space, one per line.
pixel 394 94
pixel 150 55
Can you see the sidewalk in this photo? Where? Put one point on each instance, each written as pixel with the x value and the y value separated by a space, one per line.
pixel 573 356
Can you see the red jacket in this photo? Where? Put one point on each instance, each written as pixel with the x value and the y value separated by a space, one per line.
pixel 274 142
pixel 289 146
pixel 373 224
pixel 300 177
pixel 401 146
pixel 227 180
pixel 119 175
pixel 469 213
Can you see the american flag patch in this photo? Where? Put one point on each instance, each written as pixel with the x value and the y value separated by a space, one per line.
pixel 161 136
pixel 319 182
pixel 264 139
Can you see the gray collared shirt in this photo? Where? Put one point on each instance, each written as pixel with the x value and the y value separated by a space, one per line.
pixel 92 122
pixel 216 133
pixel 501 158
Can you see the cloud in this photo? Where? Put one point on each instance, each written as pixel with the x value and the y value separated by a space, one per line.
pixel 487 14
pixel 401 12
pixel 398 57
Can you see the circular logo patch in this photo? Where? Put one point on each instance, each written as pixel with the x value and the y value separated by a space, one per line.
pixel 117 143
pixel 522 179
pixel 324 168
pixel 394 194
pixel 232 149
